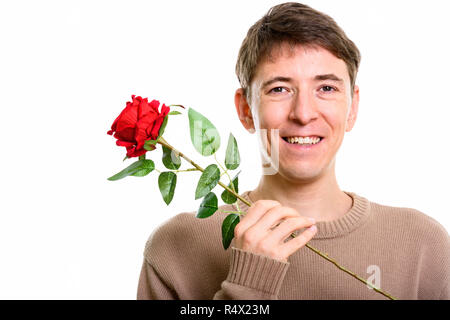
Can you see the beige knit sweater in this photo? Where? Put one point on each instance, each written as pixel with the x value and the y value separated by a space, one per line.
pixel 406 251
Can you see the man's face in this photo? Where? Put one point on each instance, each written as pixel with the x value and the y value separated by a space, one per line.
pixel 304 92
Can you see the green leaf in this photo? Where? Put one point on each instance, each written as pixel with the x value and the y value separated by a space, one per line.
pixel 172 113
pixel 142 172
pixel 208 206
pixel 148 144
pixel 232 158
pixel 167 182
pixel 208 180
pixel 204 135
pixel 139 168
pixel 163 127
pixel 227 196
pixel 170 160
pixel 228 226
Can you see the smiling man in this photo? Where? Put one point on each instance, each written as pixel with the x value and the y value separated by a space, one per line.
pixel 297 71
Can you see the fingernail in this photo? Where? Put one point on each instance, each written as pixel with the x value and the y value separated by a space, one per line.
pixel 313 228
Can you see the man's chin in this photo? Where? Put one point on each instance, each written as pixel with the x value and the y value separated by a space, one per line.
pixel 300 173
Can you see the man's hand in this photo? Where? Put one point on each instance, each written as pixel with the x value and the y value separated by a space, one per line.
pixel 267 225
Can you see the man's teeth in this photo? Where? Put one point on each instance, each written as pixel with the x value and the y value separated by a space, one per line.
pixel 303 140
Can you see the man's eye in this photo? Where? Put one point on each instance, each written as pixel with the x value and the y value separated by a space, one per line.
pixel 328 88
pixel 278 89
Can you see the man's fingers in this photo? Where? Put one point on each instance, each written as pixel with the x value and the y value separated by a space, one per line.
pixel 254 213
pixel 291 246
pixel 275 216
pixel 288 226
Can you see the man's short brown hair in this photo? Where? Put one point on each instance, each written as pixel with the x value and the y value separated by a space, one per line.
pixel 294 23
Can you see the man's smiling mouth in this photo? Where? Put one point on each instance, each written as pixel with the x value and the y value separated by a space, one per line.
pixel 303 141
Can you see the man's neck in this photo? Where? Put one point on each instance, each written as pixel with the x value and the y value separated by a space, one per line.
pixel 321 199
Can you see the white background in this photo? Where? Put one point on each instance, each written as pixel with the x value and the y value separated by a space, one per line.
pixel 68 67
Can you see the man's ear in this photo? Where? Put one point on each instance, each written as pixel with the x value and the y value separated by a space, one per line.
pixel 243 110
pixel 351 119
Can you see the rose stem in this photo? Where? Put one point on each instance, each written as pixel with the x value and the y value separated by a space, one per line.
pixel 323 255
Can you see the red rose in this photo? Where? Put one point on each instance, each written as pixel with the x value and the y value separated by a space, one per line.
pixel 138 122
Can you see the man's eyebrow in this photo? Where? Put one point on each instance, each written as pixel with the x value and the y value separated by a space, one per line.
pixel 329 76
pixel 275 79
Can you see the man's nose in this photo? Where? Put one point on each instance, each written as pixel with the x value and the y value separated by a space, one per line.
pixel 303 108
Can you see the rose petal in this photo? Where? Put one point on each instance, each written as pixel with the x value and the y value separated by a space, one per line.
pixel 155 128
pixel 147 120
pixel 165 110
pixel 128 118
pixel 125 134
pixel 145 109
pixel 155 105
pixel 134 152
pixel 124 143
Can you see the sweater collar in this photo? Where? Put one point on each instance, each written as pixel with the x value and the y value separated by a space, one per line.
pixel 355 217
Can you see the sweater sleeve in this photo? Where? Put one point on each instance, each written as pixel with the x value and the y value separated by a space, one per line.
pixel 151 286
pixel 435 262
pixel 252 277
